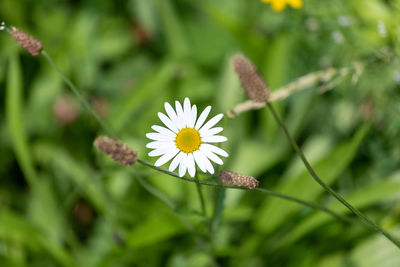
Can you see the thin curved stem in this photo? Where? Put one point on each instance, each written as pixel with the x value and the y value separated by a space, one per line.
pixel 354 210
pixel 261 190
pixel 75 90
pixel 155 192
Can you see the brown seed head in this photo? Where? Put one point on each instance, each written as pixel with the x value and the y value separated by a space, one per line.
pixel 116 150
pixel 29 43
pixel 232 178
pixel 253 84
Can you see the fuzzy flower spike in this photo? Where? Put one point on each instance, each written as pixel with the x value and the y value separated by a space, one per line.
pixel 186 138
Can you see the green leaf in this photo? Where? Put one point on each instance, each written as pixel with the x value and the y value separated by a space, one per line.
pixel 15 121
pixel 230 93
pixel 382 191
pixel 275 69
pixel 16 229
pixel 2 66
pixel 145 12
pixel 172 25
pixel 251 42
pixel 376 251
pixel 77 172
pixel 155 229
pixel 263 156
pixel 219 196
pixel 151 87
pixel 276 61
pixel 273 211
pixel 45 211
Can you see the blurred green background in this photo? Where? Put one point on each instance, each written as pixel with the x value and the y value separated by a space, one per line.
pixel 64 204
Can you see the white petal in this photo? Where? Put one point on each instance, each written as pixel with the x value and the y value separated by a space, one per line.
pixel 166 157
pixel 199 158
pixel 161 144
pixel 183 165
pixel 214 139
pixel 191 165
pixel 211 156
pixel 163 130
pixel 180 115
pixel 167 122
pixel 202 117
pixel 212 122
pixel 194 114
pixel 171 113
pixel 175 162
pixel 215 149
pixel 159 137
pixel 209 166
pixel 158 152
pixel 211 132
pixel 187 110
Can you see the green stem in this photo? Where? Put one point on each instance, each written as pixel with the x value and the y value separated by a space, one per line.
pixel 261 190
pixel 218 209
pixel 354 210
pixel 158 194
pixel 201 197
pixel 75 90
pixel 154 191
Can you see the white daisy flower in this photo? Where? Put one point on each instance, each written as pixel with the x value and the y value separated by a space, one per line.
pixel 186 139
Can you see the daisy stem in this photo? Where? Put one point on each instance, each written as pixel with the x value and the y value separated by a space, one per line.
pixel 261 190
pixel 201 197
pixel 314 175
pixel 78 95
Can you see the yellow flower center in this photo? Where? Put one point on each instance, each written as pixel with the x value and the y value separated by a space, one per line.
pixel 188 140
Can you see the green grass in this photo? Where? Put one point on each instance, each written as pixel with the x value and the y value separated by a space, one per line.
pixel 62 203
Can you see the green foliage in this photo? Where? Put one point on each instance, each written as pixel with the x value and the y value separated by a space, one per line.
pixel 64 204
pixel 273 212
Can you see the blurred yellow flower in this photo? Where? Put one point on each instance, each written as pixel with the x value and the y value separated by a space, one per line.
pixel 279 5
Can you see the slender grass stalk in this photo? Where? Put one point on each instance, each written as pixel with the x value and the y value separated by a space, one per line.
pixel 159 195
pixel 75 90
pixel 87 106
pixel 201 197
pixel 155 192
pixel 354 210
pixel 261 190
